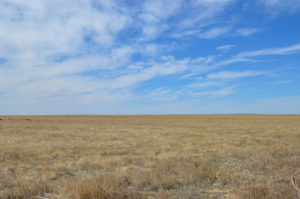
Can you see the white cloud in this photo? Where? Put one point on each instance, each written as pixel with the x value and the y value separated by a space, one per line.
pixel 206 11
pixel 64 79
pixel 155 49
pixel 185 33
pixel 122 54
pixel 198 16
pixel 48 27
pixel 205 60
pixel 168 67
pixel 225 47
pixel 247 56
pixel 233 74
pixel 162 8
pixel 195 16
pixel 215 32
pixel 248 31
pixel 189 75
pixel 54 29
pixel 214 93
pixel 274 7
pixel 271 51
pixel 204 84
pixel 161 95
pixel 154 15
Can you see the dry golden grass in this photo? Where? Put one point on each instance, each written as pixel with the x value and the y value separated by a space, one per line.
pixel 137 157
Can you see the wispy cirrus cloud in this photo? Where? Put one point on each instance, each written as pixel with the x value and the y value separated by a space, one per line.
pixel 225 47
pixel 215 32
pixel 274 7
pixel 162 9
pixel 271 51
pixel 248 56
pixel 248 31
pixel 204 84
pixel 209 11
pixel 234 74
pixel 214 93
pixel 162 95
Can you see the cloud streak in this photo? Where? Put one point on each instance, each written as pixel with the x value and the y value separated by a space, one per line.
pixel 248 31
pixel 225 47
pixel 271 51
pixel 214 93
pixel 234 74
pixel 275 7
pixel 215 32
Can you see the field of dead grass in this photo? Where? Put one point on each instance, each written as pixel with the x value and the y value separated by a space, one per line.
pixel 122 157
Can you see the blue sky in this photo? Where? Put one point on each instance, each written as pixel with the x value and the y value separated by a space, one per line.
pixel 149 57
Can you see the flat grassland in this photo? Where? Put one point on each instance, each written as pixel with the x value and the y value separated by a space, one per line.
pixel 172 156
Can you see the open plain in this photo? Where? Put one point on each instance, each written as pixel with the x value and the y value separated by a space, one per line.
pixel 172 156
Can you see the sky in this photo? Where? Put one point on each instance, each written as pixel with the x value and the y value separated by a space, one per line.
pixel 149 56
